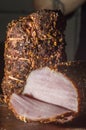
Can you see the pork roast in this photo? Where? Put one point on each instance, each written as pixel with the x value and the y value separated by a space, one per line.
pixel 38 83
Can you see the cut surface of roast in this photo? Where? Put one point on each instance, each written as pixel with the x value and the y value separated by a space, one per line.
pixel 52 87
pixel 52 95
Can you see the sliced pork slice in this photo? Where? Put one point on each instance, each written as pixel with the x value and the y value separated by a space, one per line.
pixel 52 95
pixel 29 109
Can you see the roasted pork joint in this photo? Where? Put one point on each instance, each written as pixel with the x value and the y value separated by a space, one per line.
pixel 38 84
pixel 52 95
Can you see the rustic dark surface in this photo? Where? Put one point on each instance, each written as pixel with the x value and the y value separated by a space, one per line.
pixel 9 122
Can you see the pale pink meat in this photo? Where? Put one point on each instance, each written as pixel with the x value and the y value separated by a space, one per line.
pixel 47 95
pixel 52 87
pixel 34 110
pixel 52 95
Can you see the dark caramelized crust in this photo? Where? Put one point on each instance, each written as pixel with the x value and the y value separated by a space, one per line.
pixel 32 42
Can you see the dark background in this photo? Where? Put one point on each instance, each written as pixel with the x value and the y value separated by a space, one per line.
pixel 10 10
pixel 81 52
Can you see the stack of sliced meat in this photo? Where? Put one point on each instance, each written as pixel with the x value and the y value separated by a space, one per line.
pixel 38 83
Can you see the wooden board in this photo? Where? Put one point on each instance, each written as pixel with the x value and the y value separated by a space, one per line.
pixel 9 122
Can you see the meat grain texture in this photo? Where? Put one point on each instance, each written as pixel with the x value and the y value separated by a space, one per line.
pixel 36 74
